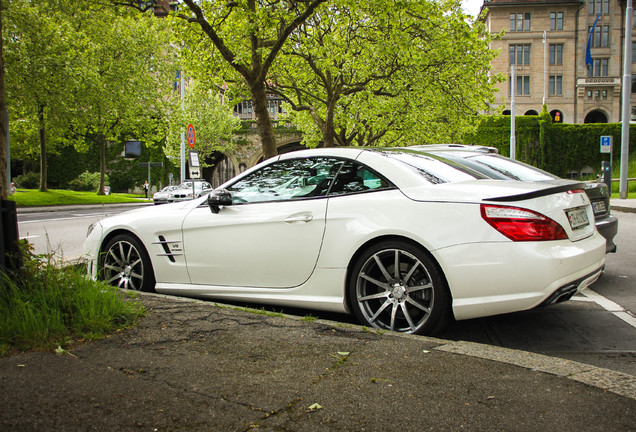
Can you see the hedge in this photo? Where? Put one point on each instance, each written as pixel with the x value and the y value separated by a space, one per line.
pixel 554 147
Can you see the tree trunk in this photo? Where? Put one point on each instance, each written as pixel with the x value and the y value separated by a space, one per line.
pixel 4 182
pixel 264 121
pixel 102 164
pixel 43 174
pixel 328 133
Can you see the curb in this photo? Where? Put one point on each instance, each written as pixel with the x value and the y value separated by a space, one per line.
pixel 622 208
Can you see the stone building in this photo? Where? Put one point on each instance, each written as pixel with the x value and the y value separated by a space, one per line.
pixel 547 43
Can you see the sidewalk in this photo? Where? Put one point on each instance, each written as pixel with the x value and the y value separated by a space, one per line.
pixel 197 366
pixel 624 205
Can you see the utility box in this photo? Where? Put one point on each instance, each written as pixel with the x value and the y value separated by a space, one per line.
pixel 606 174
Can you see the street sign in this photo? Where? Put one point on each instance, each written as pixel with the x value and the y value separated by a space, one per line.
pixel 190 135
pixel 194 165
pixel 194 159
pixel 606 144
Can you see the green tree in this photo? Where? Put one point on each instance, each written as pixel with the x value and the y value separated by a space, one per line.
pixel 375 72
pixel 39 58
pixel 3 130
pixel 212 118
pixel 123 78
pixel 237 43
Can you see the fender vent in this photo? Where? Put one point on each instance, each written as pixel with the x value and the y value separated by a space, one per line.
pixel 169 252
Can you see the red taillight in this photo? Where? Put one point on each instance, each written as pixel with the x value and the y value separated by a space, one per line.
pixel 520 224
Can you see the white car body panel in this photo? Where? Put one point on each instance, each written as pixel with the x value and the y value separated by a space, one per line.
pixel 252 241
pixel 297 253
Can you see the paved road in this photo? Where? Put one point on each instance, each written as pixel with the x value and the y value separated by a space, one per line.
pixel 61 231
pixel 597 328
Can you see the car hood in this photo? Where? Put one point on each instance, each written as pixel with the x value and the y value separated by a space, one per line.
pixel 165 211
pixel 490 190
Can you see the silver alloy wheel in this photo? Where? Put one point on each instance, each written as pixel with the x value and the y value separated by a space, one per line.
pixel 123 266
pixel 394 291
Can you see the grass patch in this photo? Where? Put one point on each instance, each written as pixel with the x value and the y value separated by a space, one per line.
pixel 261 311
pixel 33 197
pixel 43 306
pixel 616 175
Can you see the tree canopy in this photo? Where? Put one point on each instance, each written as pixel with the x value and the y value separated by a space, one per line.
pixel 238 42
pixel 84 72
pixel 385 72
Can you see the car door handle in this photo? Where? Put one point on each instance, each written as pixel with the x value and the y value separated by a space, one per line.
pixel 299 218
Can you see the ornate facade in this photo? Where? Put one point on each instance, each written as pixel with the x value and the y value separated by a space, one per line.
pixel 547 43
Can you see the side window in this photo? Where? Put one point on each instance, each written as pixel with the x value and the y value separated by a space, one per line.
pixel 354 177
pixel 286 180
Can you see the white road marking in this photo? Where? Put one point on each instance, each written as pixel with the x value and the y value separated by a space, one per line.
pixel 610 306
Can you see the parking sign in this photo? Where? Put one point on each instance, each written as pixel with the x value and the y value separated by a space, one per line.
pixel 606 144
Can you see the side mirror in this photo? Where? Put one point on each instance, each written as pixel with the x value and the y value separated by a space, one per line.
pixel 218 198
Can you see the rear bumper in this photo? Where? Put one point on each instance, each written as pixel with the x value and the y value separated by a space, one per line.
pixel 567 291
pixel 495 278
pixel 608 227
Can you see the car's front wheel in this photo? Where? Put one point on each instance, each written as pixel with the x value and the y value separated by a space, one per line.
pixel 126 264
pixel 396 286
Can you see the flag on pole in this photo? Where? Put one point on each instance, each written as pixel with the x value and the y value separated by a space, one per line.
pixel 588 54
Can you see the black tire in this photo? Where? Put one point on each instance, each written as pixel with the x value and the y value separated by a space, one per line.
pixel 415 299
pixel 125 264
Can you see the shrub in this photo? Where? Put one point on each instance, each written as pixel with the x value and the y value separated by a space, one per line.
pixel 86 182
pixel 28 181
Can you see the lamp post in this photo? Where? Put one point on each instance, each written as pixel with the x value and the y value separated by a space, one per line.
pixel 626 111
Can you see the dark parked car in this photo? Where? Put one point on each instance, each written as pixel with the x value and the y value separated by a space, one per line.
pixel 486 161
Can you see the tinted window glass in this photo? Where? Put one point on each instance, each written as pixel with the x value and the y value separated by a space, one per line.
pixel 354 177
pixel 287 180
pixel 497 167
pixel 435 169
pixel 512 169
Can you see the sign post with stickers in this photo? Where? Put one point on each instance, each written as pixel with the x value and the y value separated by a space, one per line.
pixel 606 166
pixel 194 165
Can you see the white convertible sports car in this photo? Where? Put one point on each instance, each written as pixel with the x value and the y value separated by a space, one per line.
pixel 403 239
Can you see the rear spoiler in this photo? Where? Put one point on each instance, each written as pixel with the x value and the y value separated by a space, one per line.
pixel 539 193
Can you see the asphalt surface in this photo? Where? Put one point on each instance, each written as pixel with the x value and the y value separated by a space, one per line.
pixel 200 366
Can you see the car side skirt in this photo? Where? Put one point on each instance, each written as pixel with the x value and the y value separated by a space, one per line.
pixel 328 282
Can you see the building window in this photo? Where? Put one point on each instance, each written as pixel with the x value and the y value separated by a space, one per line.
pixel 556 54
pixel 520 55
pixel 598 7
pixel 633 83
pixel 604 93
pixel 600 37
pixel 520 22
pixel 522 85
pixel 633 52
pixel 633 113
pixel 556 20
pixel 556 85
pixel 600 67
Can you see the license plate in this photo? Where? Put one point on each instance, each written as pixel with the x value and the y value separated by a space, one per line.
pixel 577 217
pixel 599 207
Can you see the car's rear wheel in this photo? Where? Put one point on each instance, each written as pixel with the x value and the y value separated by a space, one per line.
pixel 396 286
pixel 126 264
